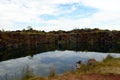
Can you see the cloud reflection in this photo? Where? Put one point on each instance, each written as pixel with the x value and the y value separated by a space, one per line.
pixel 40 64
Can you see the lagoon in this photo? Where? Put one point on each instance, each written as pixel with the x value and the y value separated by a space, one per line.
pixel 41 64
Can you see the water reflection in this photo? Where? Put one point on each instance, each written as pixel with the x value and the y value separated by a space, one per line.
pixel 25 50
pixel 61 61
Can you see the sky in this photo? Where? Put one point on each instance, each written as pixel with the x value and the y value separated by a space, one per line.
pixel 55 15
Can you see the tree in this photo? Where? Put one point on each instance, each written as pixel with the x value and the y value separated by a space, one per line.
pixel 29 28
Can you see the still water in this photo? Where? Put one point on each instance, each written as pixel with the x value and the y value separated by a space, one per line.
pixel 41 64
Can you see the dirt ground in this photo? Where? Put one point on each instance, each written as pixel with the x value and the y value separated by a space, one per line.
pixel 100 77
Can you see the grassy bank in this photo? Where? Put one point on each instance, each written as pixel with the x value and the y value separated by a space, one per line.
pixel 108 66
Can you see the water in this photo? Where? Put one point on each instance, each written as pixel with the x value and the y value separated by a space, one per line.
pixel 40 64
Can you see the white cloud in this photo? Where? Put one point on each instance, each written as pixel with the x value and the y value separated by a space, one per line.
pixel 111 5
pixel 13 12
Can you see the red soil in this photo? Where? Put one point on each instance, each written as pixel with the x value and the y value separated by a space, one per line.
pixel 100 77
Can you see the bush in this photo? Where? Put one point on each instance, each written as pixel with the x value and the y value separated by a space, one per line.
pixel 109 57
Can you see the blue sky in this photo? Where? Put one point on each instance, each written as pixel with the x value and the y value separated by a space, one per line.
pixel 71 11
pixel 59 14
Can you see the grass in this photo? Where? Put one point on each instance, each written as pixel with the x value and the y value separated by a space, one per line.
pixel 27 74
pixel 109 65
pixel 52 72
